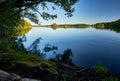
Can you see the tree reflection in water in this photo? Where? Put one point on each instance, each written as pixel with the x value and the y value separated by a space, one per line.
pixel 65 58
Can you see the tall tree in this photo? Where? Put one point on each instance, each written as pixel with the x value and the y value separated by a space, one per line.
pixel 11 12
pixel 29 8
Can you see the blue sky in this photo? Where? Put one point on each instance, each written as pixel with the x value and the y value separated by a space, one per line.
pixel 87 11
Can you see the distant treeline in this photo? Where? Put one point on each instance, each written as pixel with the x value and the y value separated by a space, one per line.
pixel 114 25
pixel 74 25
pixel 55 26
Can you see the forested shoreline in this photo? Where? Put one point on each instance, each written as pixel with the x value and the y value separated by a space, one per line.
pixel 15 59
pixel 113 25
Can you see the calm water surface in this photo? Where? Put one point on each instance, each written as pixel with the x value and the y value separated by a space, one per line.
pixel 89 45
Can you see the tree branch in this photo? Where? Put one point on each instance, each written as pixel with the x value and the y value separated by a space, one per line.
pixel 28 3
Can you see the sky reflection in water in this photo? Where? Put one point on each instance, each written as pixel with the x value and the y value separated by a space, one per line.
pixel 89 45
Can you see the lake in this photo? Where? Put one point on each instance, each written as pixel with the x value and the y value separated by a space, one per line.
pixel 90 46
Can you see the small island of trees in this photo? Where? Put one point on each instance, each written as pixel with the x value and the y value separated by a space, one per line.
pixel 54 26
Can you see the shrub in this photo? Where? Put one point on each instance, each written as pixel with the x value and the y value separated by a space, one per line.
pixel 110 79
pixel 99 68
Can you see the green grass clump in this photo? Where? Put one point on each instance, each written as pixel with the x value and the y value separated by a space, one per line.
pixel 99 68
pixel 110 79
pixel 29 60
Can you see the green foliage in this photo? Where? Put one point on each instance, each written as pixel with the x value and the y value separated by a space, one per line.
pixel 100 25
pixel 74 25
pixel 7 42
pixel 64 58
pixel 114 25
pixel 66 25
pixel 11 12
pixel 23 29
pixel 64 79
pixel 81 25
pixel 49 48
pixel 31 60
pixel 34 47
pixel 99 68
pixel 29 9
pixel 8 20
pixel 110 79
pixel 54 26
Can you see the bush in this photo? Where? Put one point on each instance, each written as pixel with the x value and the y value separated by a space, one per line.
pixel 99 68
pixel 30 60
pixel 110 79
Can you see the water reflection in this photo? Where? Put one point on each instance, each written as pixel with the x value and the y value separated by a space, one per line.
pixel 65 58
pixel 89 46
pixel 115 29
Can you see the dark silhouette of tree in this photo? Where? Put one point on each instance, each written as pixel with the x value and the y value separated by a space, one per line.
pixel 11 12
pixel 65 58
pixel 114 25
pixel 29 8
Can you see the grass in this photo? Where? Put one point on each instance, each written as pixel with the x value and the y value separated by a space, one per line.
pixel 30 60
pixel 99 68
pixel 110 79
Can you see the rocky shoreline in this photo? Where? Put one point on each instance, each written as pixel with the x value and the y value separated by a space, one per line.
pixel 62 72
pixel 19 66
pixel 5 76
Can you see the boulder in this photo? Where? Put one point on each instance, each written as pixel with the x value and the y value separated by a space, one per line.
pixel 4 76
pixel 27 79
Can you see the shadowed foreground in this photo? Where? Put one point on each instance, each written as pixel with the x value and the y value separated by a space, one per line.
pixel 32 66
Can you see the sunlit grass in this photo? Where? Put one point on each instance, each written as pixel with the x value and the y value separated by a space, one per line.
pixel 99 68
pixel 30 60
pixel 110 79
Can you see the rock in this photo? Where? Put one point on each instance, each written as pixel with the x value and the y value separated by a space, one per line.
pixel 48 70
pixel 52 71
pixel 41 73
pixel 26 79
pixel 14 77
pixel 4 76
